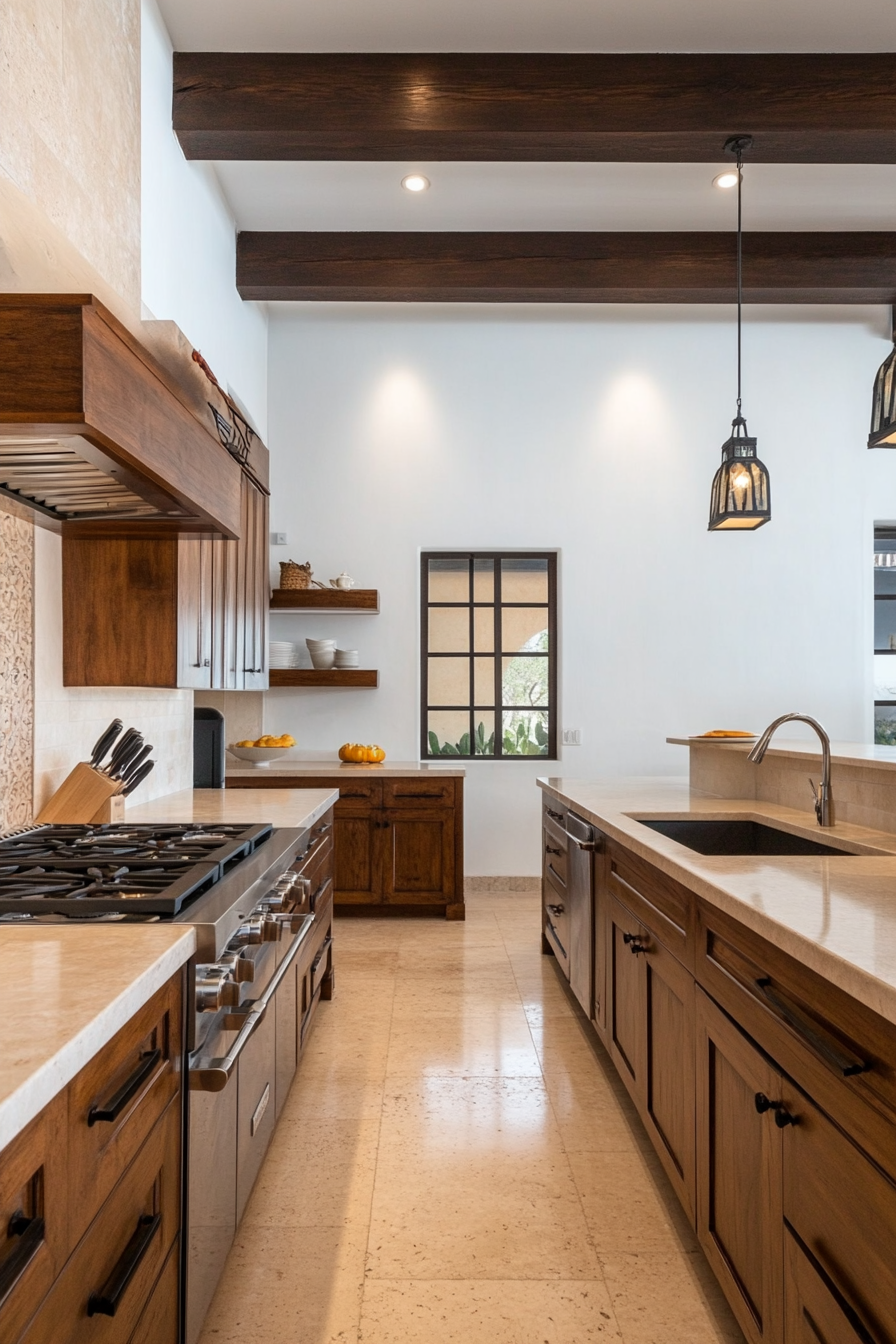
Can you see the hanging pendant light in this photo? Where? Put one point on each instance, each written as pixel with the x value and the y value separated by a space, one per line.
pixel 741 496
pixel 883 406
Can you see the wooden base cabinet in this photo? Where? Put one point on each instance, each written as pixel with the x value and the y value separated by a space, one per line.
pixel 91 1195
pixel 770 1097
pixel 398 841
pixel 739 1218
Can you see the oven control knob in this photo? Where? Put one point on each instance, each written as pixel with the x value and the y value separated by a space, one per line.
pixel 215 989
pixel 275 900
pixel 271 929
pixel 286 881
pixel 291 922
pixel 247 934
pixel 241 968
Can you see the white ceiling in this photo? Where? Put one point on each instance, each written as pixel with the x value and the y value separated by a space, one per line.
pixel 641 196
pixel 531 25
pixel 358 195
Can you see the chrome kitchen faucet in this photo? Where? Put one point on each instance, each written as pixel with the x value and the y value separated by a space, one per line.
pixel 824 803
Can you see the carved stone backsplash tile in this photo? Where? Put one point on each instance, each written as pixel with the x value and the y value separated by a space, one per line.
pixel 16 670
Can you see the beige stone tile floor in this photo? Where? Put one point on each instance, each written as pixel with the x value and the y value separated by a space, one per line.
pixel 457 1163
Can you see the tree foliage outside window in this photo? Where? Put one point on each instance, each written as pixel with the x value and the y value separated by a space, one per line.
pixel 488 654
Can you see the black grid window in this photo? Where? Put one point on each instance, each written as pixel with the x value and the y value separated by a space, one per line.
pixel 488 653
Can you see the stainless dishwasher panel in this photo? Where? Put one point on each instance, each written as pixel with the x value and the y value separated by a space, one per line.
pixel 580 904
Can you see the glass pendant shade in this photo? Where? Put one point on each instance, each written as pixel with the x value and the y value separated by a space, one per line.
pixel 883 408
pixel 741 495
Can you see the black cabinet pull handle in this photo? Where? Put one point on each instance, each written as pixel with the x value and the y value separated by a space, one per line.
pixel 127 1091
pixel 557 816
pixel 29 1233
pixel 783 1118
pixel 550 849
pixel 634 944
pixel 556 910
pixel 847 1065
pixel 106 1302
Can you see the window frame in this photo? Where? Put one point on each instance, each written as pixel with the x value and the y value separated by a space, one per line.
pixel 498 654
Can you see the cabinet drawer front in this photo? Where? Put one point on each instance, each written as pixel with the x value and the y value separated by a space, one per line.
pixel 843 1209
pixel 554 855
pixel 34 1232
pixel 664 906
pixel 552 811
pixel 123 1235
pixel 318 866
pixel 354 792
pixel 118 1097
pixel 160 1320
pixel 813 1311
pixel 815 1031
pixel 427 792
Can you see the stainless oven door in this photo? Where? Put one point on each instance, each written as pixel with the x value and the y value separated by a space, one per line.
pixel 232 1114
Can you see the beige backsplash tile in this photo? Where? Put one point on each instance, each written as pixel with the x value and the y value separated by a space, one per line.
pixel 16 670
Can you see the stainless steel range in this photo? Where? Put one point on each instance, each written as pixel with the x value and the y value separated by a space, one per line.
pixel 259 901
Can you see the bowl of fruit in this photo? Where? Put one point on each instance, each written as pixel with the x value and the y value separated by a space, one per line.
pixel 353 753
pixel 263 750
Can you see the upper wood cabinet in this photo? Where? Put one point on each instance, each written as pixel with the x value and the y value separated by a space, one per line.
pixel 172 611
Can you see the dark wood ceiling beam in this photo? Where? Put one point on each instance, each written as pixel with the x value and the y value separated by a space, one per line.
pixel 566 267
pixel 799 108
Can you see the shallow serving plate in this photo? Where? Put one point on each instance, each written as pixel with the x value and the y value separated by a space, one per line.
pixel 258 755
pixel 725 741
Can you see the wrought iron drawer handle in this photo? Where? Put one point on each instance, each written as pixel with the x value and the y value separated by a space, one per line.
pixel 29 1233
pixel 783 1118
pixel 106 1302
pixel 127 1091
pixel 550 849
pixel 634 944
pixel 842 1062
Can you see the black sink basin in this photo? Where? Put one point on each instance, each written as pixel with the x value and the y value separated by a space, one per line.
pixel 739 837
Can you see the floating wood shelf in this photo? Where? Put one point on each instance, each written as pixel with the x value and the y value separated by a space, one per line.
pixel 325 599
pixel 337 676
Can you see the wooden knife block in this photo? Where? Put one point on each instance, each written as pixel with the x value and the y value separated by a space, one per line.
pixel 86 795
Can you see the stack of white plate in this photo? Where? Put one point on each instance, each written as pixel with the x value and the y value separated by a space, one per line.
pixel 322 652
pixel 282 654
pixel 345 658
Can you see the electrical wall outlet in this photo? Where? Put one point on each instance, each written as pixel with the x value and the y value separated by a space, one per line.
pixel 572 737
pixel 279 539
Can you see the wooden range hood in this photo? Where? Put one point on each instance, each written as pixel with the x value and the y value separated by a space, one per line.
pixel 95 434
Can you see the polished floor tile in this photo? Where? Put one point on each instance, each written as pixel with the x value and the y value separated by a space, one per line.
pixel 458 1163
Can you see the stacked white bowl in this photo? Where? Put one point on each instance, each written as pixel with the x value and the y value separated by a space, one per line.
pixel 345 658
pixel 282 654
pixel 322 652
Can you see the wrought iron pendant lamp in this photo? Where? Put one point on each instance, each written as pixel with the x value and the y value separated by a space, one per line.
pixel 741 495
pixel 883 406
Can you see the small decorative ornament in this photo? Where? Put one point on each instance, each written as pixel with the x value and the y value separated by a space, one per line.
pixel 345 581
pixel 295 576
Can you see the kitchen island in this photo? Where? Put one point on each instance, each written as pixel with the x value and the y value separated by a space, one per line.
pixel 748 1003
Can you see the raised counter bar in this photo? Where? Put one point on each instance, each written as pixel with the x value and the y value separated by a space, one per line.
pixel 74 991
pixel 836 915
pixel 863 776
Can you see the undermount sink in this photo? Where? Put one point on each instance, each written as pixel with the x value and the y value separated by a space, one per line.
pixel 739 837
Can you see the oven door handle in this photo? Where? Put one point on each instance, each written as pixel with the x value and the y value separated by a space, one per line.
pixel 213 1074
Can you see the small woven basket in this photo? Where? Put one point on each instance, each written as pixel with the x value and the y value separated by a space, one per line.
pixel 295 576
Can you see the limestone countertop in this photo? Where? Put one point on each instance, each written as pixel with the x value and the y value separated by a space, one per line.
pixel 387 770
pixel 73 991
pixel 837 915
pixel 867 754
pixel 297 808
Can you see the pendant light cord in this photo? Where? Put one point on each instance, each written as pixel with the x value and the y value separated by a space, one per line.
pixel 740 178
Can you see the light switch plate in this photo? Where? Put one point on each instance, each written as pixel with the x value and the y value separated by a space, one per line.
pixel 572 737
pixel 279 539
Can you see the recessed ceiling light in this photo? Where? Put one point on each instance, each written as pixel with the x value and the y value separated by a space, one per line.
pixel 726 179
pixel 415 182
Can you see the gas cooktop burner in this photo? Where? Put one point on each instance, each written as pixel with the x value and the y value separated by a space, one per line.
pixel 117 867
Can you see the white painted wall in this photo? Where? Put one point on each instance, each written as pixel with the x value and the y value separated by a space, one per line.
pixel 596 431
pixel 189 241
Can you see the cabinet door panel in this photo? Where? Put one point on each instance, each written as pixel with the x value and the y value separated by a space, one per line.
pixel 739 1219
pixel 669 1073
pixel 255 542
pixel 843 1209
pixel 420 849
pixel 626 993
pixel 357 876
pixel 813 1312
pixel 194 595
